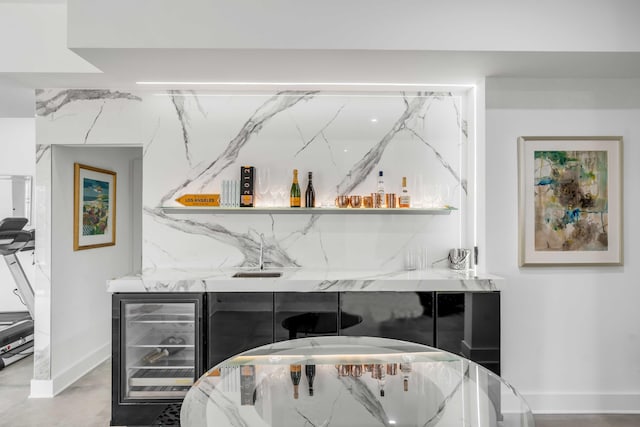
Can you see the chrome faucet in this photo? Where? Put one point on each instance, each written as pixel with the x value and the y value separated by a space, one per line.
pixel 261 259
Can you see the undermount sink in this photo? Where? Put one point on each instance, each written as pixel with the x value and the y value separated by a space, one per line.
pixel 257 274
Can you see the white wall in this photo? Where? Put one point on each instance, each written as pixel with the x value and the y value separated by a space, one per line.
pixel 17 157
pixel 16 102
pixel 80 305
pixel 570 335
pixel 33 39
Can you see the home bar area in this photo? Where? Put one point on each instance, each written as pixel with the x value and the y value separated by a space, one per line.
pixel 238 253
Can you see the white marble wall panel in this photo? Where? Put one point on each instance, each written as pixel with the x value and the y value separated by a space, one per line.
pixel 42 285
pixel 192 141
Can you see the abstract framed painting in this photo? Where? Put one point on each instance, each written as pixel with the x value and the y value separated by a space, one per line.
pixel 570 200
pixel 94 207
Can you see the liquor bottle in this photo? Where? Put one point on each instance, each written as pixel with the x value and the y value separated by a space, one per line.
pixel 161 352
pixel 405 368
pixel 404 199
pixel 310 372
pixel 294 195
pixel 380 191
pixel 310 194
pixel 296 374
pixel 380 374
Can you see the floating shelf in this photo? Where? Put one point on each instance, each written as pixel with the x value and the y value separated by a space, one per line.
pixel 308 211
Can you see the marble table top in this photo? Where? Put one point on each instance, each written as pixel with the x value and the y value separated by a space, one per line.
pixel 351 381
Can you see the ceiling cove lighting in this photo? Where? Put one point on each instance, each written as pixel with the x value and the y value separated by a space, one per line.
pixel 352 84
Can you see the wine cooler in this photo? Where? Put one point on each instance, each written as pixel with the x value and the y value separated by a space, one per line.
pixel 160 348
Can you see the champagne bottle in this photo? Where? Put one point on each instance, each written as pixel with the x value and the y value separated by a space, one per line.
pixel 405 368
pixel 310 194
pixel 405 199
pixel 296 374
pixel 310 371
pixel 294 195
pixel 380 192
pixel 161 352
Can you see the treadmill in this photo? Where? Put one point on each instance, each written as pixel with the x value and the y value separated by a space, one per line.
pixel 16 329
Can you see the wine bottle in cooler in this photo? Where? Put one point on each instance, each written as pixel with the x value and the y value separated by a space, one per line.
pixel 310 372
pixel 296 375
pixel 310 194
pixel 294 194
pixel 168 346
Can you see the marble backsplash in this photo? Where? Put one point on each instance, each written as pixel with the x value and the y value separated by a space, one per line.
pixel 192 141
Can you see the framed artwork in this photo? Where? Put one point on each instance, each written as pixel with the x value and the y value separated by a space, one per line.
pixel 94 207
pixel 570 200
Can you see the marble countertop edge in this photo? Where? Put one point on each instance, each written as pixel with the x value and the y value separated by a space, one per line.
pixel 306 280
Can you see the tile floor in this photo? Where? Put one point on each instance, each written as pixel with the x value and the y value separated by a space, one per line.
pixel 87 404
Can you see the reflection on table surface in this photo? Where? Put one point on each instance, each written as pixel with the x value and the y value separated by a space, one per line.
pixel 352 381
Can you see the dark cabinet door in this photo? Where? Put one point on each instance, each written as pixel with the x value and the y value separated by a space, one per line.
pixel 450 312
pixel 482 329
pixel 468 324
pixel 237 321
pixel 404 316
pixel 305 314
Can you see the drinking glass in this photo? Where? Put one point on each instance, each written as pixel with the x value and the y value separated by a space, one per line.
pixel 263 187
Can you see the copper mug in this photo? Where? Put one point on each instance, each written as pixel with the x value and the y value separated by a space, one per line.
pixel 355 201
pixel 391 200
pixel 378 200
pixel 367 201
pixel 342 201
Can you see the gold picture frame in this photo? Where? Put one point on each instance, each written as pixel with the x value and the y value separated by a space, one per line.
pixel 94 207
pixel 570 200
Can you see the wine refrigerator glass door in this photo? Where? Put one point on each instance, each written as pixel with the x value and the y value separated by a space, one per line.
pixel 160 349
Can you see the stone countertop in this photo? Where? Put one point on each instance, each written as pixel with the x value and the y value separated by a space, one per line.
pixel 307 280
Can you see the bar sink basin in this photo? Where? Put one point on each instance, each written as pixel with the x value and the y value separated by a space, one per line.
pixel 257 274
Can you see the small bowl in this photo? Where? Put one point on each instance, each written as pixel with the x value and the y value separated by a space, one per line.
pixel 355 201
pixel 367 201
pixel 342 201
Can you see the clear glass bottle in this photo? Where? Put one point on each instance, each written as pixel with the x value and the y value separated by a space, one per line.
pixel 379 373
pixel 380 191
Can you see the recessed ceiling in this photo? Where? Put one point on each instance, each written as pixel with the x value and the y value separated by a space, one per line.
pixel 123 67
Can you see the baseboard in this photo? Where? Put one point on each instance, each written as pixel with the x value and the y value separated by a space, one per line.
pixel 583 403
pixel 49 388
pixel 41 389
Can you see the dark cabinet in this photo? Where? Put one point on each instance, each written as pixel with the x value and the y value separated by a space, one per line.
pixel 449 321
pixel 215 326
pixel 236 322
pixel 305 314
pixel 481 341
pixel 404 316
pixel 468 324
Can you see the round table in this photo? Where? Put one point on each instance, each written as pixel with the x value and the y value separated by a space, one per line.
pixel 352 381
